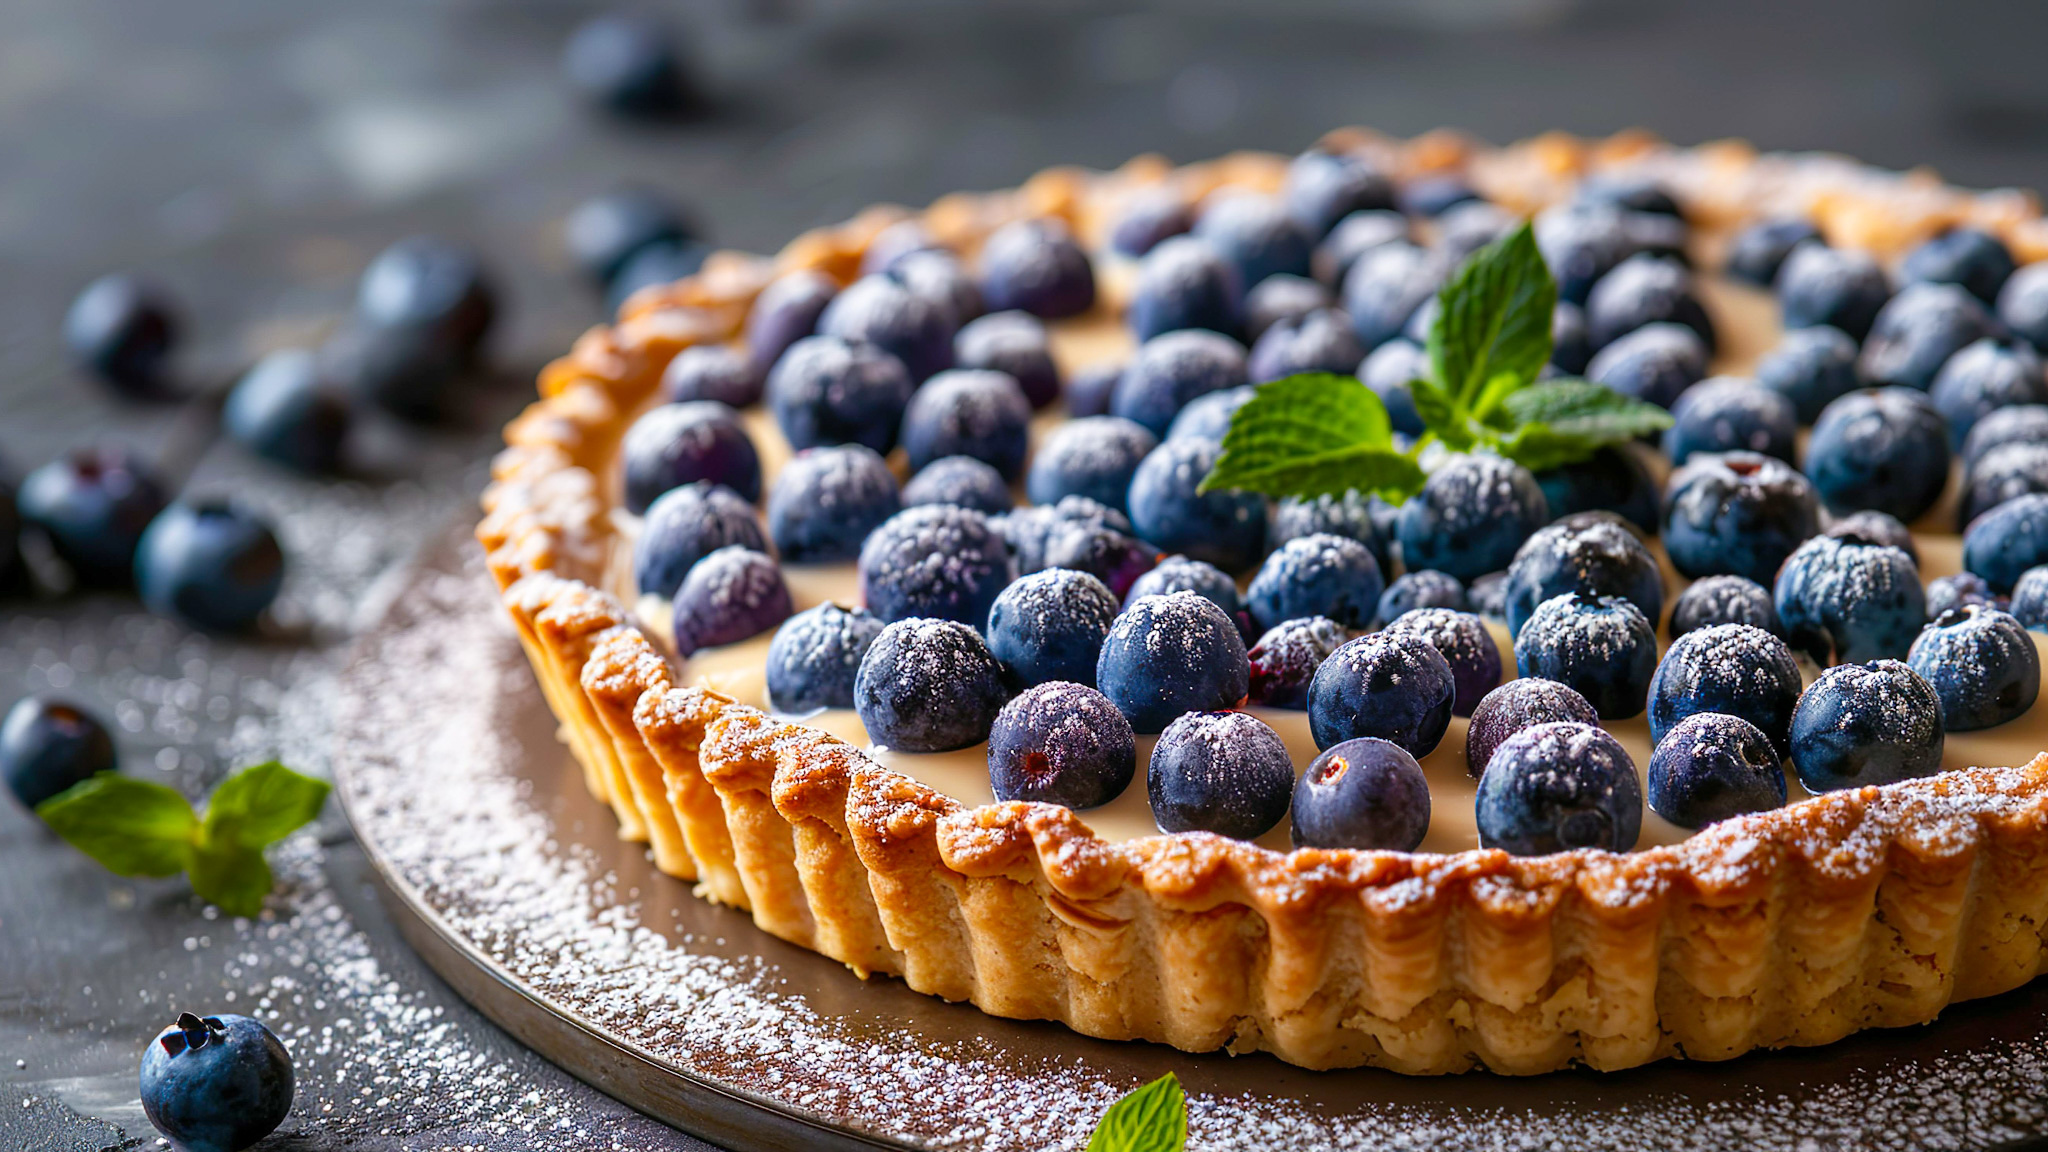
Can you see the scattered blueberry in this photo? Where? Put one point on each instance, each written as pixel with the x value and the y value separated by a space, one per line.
pixel 1602 647
pixel 1589 553
pixel 1061 743
pixel 287 410
pixel 1385 286
pixel 1465 644
pixel 1645 289
pixel 1656 363
pixel 1983 378
pixel 1322 188
pixel 1094 456
pixel 1320 575
pixel 48 745
pixel 1116 558
pixel 1367 794
pixel 939 276
pixel 1387 371
pixel 1423 588
pixel 936 560
pixel 1861 724
pixel 732 594
pixel 1283 296
pixel 1557 787
pixel 1185 283
pixel 1285 659
pixel 1811 367
pixel 815 656
pixel 685 525
pixel 216 1084
pixel 1089 391
pixel 1948 593
pixel 1318 342
pixel 968 412
pixel 93 505
pixel 677 444
pixel 209 563
pixel 2030 599
pixel 1181 574
pixel 1737 513
pixel 1581 242
pixel 928 686
pixel 2008 540
pixel 1884 449
pixel 1969 257
pixel 1208 416
pixel 1392 685
pixel 656 265
pixel 826 501
pixel 1150 217
pixel 1255 235
pixel 1050 625
pixel 1222 772
pixel 1982 664
pixel 785 312
pixel 883 311
pixel 1012 342
pixel 424 307
pixel 1471 516
pixel 606 231
pixel 1848 600
pixel 2005 472
pixel 1166 655
pixel 1034 266
pixel 1712 766
pixel 1917 331
pixel 1518 704
pixel 1841 288
pixel 1759 250
pixel 121 329
pixel 1613 479
pixel 2023 304
pixel 1354 236
pixel 2025 422
pixel 1723 600
pixel 826 390
pixel 961 480
pixel 1733 668
pixel 1173 369
pixel 716 372
pixel 1227 528
pixel 1729 413
pixel 628 64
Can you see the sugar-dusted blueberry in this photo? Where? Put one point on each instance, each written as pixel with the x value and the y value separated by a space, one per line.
pixel 1367 794
pixel 47 745
pixel 1285 659
pixel 1984 377
pixel 1844 599
pixel 1431 194
pixel 1185 283
pixel 895 242
pixel 1387 371
pixel 1354 236
pixel 961 480
pixel 826 501
pixel 1352 514
pixel 1468 227
pixel 1255 235
pixel 216 1084
pixel 1283 296
pixel 1050 625
pixel 677 444
pixel 1318 342
pixel 826 390
pixel 1875 528
pixel 606 230
pixel 1471 516
pixel 939 276
pixel 1184 574
pixel 1322 188
pixel 883 311
pixel 716 372
pixel 121 329
pixel 1884 449
pixel 2024 423
pixel 287 409
pixel 1603 647
pixel 1148 218
pixel 1948 593
pixel 969 412
pixel 1061 743
pixel 1094 456
pixel 1557 787
pixel 1723 600
pixel 1208 416
pixel 1385 286
pixel 785 312
pixel 1737 513
pixel 2023 304
pixel 1116 558
pixel 1840 287
pixel 1581 242
pixel 1166 655
pixel 1861 724
pixel 2030 599
pixel 1420 321
pixel 2008 540
pixel 2005 472
pixel 93 505
pixel 1392 685
pixel 685 525
pixel 1222 772
pixel 1984 667
pixel 1759 250
pixel 937 560
pixel 1656 362
pixel 1089 391
pixel 657 264
pixel 1645 289
pixel 732 594
pixel 815 655
pixel 1423 588
pixel 1571 344
pixel 431 291
pixel 1319 575
pixel 1591 553
pixel 1035 266
pixel 1012 342
pixel 1733 668
pixel 1027 530
pixel 1730 413
pixel 1811 367
pixel 1613 479
pixel 928 685
pixel 1465 645
pixel 1712 766
pixel 1631 191
pixel 629 64
pixel 1916 333
pixel 1520 703
pixel 1172 369
pixel 1969 257
pixel 1227 528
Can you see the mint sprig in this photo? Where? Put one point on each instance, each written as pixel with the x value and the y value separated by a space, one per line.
pixel 1319 434
pixel 1151 1118
pixel 141 828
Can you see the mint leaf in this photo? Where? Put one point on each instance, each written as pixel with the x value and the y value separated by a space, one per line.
pixel 261 805
pixel 1153 1118
pixel 1492 327
pixel 1440 415
pixel 132 827
pixel 1561 422
pixel 1313 434
pixel 233 876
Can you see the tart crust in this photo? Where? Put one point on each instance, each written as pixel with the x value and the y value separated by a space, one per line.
pixel 1868 908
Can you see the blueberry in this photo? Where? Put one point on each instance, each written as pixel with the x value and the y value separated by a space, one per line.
pixel 1948 593
pixel 685 525
pixel 2025 422
pixel 1516 705
pixel 1465 644
pixel 1061 743
pixel 2023 304
pixel 1227 528
pixel 1759 250
pixel 826 501
pixel 1850 600
pixel 1050 626
pixel 1285 659
pixel 1035 266
pixel 1711 767
pixel 1885 449
pixel 628 64
pixel 1387 371
pixel 606 231
pixel 1095 456
pixel 1571 343
pixel 815 655
pixel 1221 772
pixel 1916 333
pixel 1089 391
pixel 93 505
pixel 1841 288
pixel 936 560
pixel 2030 599
pixel 1181 574
pixel 2005 472
pixel 895 242
pixel 939 276
pixel 1982 664
pixel 1589 554
pixel 1354 236
pixel 1166 655
pixel 1983 378
pixel 216 1084
pixel 734 593
pixel 1366 794
pixel 1471 516
pixel 1149 218
pixel 677 444
pixel 1027 530
pixel 1723 600
pixel 48 745
pixel 1613 479
pixel 1322 188
pixel 968 412
pixel 1425 588
pixel 1811 367
pixel 1737 513
pixel 1581 242
pixel 785 312
pixel 1393 685
pixel 1173 369
pixel 883 311
pixel 1862 724
pixel 121 329
pixel 287 410
pixel 1557 787
pixel 961 480
pixel 928 686
pixel 1320 575
pixel 1319 342
pixel 1349 515
pixel 1629 191
pixel 1655 363
pixel 1969 257
pixel 1601 646
pixel 1255 235
pixel 1467 228
pixel 1645 289
pixel 1283 296
pixel 1185 283
pixel 1420 321
pixel 1432 194
pixel 1875 528
pixel 209 563
pixel 655 266
pixel 716 372
pixel 826 390
pixel 1385 286
pixel 1115 558
pixel 2008 540
pixel 13 573
pixel 1208 416
pixel 1732 668
pixel 425 306
pixel 1015 343
pixel 1729 413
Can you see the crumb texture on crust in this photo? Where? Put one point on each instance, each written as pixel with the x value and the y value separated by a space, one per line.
pixel 1870 908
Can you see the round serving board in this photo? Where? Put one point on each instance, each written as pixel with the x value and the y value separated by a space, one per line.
pixel 509 878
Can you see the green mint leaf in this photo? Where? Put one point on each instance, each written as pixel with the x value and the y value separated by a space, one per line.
pixel 262 805
pixel 132 827
pixel 1313 434
pixel 1561 422
pixel 233 876
pixel 1492 323
pixel 1440 415
pixel 1153 1118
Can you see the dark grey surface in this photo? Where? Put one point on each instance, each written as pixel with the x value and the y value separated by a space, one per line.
pixel 254 154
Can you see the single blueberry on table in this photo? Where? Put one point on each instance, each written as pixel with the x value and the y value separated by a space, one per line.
pixel 1322 188
pixel 1116 558
pixel 1283 297
pixel 728 596
pixel 1737 513
pixel 1318 342
pixel 826 501
pixel 93 505
pixel 1387 371
pixel 1392 685
pixel 785 312
pixel 936 560
pixel 1354 236
pixel 1811 367
pixel 1385 286
pixel 1285 659
pixel 1061 743
pixel 1723 600
pixel 1558 787
pixel 47 745
pixel 1728 414
pixel 1208 417
pixel 716 372
pixel 1222 772
pixel 2020 423
pixel 1613 479
pixel 1089 391
pixel 2005 472
pixel 1366 794
pixel 928 686
pixel 424 306
pixel 1881 449
pixel 1641 290
pixel 1320 575
pixel 1034 266
pixel 1012 342
pixel 1166 655
pixel 1571 345
pixel 605 231
pixel 883 311
pixel 1050 626
pixel 969 412
pixel 287 410
pixel 1581 242
pixel 1946 593
pixel 678 444
pixel 1859 724
pixel 121 329
pixel 2030 599
pixel 1172 369
pixel 628 64
pixel 1423 588
pixel 656 265
pixel 1518 704
pixel 1351 514
pixel 1256 236
pixel 1185 283
pixel 1982 664
pixel 1227 528
pixel 1875 528
pixel 1969 257
pixel 1181 574
pixel 1759 250
pixel 2023 304
pixel 961 480
pixel 1602 647
pixel 1471 516
pixel 1589 553
pixel 1465 644
pixel 1150 217
pixel 2008 540
pixel 1094 456
pixel 1981 379
pixel 217 1084
pixel 1847 600
pixel 685 525
pixel 815 655
pixel 1028 530
pixel 1733 668
pixel 1841 288
pixel 939 276
pixel 1713 766
pixel 1916 333
pixel 825 390
pixel 1656 363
